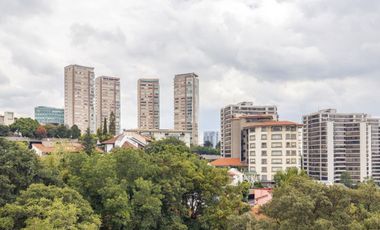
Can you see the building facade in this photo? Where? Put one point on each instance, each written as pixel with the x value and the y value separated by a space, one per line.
pixel 271 146
pixel 186 104
pixel 148 103
pixel 79 97
pixel 334 143
pixel 159 134
pixel 228 113
pixel 7 119
pixel 212 137
pixel 49 115
pixel 107 101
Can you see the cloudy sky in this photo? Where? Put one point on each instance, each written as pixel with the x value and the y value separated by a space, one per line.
pixel 301 55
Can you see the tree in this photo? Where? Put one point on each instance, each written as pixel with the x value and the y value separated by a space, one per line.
pixel 25 126
pixel 75 132
pixel 41 132
pixel 89 142
pixel 49 207
pixel 284 177
pixel 165 144
pixel 4 130
pixel 208 144
pixel 112 125
pixel 345 179
pixel 19 168
pixel 105 132
pixel 217 146
pixel 204 150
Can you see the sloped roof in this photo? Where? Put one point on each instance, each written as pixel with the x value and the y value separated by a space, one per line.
pixel 43 148
pixel 226 162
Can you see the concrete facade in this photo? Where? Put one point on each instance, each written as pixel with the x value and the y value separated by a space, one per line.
pixel 228 113
pixel 186 104
pixel 160 134
pixel 148 103
pixel 79 97
pixel 107 100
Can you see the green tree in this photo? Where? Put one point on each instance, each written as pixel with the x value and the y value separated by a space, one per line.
pixel 208 144
pixel 75 132
pixel 204 150
pixel 345 179
pixel 88 142
pixel 105 131
pixel 63 132
pixel 25 126
pixel 49 207
pixel 4 130
pixel 166 144
pixel 19 167
pixel 282 177
pixel 112 125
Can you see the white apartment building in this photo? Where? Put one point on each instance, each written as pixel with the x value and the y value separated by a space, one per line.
pixel 271 146
pixel 160 134
pixel 186 104
pixel 148 103
pixel 80 97
pixel 7 119
pixel 107 101
pixel 334 143
pixel 228 113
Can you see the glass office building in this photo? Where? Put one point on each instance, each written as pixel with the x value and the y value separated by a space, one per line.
pixel 49 115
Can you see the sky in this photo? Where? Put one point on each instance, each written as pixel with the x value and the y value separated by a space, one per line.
pixel 301 55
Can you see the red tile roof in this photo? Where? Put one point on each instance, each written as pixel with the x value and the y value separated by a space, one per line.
pixel 111 141
pixel 128 145
pixel 225 162
pixel 272 123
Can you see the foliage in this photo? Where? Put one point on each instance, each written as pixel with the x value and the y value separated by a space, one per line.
pixel 346 179
pixel 112 125
pixel 201 150
pixel 19 168
pixel 25 126
pixel 49 207
pixel 300 203
pixel 75 132
pixel 208 144
pixel 41 132
pixel 282 177
pixel 88 142
pixel 4 130
pixel 170 143
pixel 105 131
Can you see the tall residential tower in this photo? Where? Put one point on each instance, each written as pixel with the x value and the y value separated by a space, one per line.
pixel 79 97
pixel 148 103
pixel 107 101
pixel 186 104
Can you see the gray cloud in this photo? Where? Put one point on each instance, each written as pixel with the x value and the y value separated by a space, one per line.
pixel 300 55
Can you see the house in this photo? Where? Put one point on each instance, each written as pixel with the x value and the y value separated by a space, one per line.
pixel 125 140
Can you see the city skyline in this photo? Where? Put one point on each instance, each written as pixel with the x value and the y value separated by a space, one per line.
pixel 298 60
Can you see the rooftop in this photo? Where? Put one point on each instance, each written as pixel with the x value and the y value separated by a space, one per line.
pixel 227 162
pixel 272 123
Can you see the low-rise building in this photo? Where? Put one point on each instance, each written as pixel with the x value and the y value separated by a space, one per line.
pixel 7 119
pixel 159 134
pixel 49 115
pixel 125 140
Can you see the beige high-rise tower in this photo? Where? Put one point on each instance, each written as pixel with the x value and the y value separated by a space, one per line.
pixel 107 101
pixel 186 104
pixel 148 103
pixel 79 97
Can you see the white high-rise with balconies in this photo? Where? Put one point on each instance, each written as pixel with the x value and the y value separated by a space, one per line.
pixel 334 143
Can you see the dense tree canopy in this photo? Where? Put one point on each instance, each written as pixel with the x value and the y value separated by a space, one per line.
pixel 25 126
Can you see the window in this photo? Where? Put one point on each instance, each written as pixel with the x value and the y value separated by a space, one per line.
pixel 287 161
pixel 276 153
pixel 275 169
pixel 294 161
pixel 276 136
pixel 263 129
pixel 264 169
pixel 290 136
pixel 291 144
pixel 264 145
pixel 252 138
pixel 263 136
pixel 264 153
pixel 264 177
pixel 276 161
pixel 264 161
pixel 252 160
pixel 291 128
pixel 276 144
pixel 252 169
pixel 276 128
pixel 252 145
pixel 252 153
